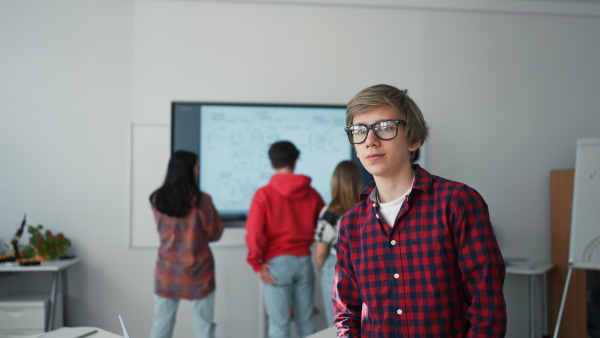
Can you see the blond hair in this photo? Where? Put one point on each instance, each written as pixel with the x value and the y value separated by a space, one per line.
pixel 389 96
pixel 346 185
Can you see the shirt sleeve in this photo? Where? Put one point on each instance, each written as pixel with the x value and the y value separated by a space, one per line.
pixel 481 265
pixel 326 232
pixel 255 232
pixel 347 303
pixel 212 221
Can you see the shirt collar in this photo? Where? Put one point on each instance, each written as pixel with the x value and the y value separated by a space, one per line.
pixel 423 181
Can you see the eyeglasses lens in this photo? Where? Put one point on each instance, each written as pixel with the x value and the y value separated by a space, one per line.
pixel 358 133
pixel 386 130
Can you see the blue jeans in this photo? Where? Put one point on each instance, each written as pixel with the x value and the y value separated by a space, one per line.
pixel 293 288
pixel 327 272
pixel 165 311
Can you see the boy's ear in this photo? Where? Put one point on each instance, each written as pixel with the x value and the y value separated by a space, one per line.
pixel 414 146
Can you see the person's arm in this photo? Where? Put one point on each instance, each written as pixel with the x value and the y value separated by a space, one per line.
pixel 347 304
pixel 265 275
pixel 212 220
pixel 255 233
pixel 323 237
pixel 321 252
pixel 481 264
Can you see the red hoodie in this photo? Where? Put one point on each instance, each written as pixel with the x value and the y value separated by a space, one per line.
pixel 282 219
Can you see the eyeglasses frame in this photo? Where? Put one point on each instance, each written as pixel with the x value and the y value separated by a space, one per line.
pixel 372 127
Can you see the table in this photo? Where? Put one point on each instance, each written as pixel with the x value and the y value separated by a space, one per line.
pixel 100 334
pixel 537 273
pixel 58 268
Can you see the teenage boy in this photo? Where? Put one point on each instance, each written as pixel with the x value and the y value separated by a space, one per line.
pixel 280 230
pixel 417 256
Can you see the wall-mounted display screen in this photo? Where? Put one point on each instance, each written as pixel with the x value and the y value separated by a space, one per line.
pixel 232 142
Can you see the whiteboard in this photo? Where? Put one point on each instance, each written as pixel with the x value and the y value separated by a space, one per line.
pixel 150 153
pixel 584 249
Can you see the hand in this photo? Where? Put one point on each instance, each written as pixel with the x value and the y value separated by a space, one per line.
pixel 266 276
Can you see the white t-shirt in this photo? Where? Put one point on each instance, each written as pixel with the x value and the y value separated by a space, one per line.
pixel 390 210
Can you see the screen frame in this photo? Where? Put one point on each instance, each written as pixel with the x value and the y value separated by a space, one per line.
pixel 193 145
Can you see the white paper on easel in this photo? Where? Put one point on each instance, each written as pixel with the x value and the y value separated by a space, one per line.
pixel 584 249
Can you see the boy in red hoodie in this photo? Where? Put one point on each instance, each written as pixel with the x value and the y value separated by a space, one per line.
pixel 279 232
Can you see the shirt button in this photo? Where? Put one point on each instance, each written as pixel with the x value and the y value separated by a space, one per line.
pixel 396 275
pixel 377 215
pixel 393 242
pixel 374 205
pixel 399 311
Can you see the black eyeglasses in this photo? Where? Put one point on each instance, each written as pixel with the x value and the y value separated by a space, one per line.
pixel 384 130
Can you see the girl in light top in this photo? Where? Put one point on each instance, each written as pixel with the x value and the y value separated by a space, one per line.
pixel 346 186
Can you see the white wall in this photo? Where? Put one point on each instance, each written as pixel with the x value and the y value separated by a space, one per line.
pixel 506 95
pixel 65 114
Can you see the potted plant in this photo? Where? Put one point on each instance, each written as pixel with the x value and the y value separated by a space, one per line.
pixel 44 245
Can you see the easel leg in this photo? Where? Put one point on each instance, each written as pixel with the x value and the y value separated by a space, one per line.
pixel 562 302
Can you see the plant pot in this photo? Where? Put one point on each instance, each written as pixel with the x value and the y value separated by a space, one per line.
pixel 42 257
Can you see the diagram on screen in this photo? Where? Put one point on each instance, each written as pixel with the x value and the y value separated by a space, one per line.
pixel 234 145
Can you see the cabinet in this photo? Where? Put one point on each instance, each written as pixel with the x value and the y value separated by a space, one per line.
pixel 58 269
pixel 24 315
pixel 574 319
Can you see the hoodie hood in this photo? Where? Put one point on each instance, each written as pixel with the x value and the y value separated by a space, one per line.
pixel 291 185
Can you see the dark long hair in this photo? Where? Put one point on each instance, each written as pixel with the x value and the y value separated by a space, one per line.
pixel 179 190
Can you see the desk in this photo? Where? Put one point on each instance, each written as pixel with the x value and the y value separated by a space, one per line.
pixel 537 273
pixel 100 334
pixel 58 269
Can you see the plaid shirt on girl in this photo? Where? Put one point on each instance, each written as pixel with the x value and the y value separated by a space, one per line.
pixel 185 268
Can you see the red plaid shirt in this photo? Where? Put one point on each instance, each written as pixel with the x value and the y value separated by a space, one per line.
pixel 437 273
pixel 185 268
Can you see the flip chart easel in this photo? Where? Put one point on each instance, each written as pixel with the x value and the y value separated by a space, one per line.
pixel 584 246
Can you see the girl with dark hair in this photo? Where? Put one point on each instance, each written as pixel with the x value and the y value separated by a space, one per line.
pixel 186 222
pixel 346 185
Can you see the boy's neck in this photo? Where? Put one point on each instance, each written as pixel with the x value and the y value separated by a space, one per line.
pixel 285 170
pixel 391 188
